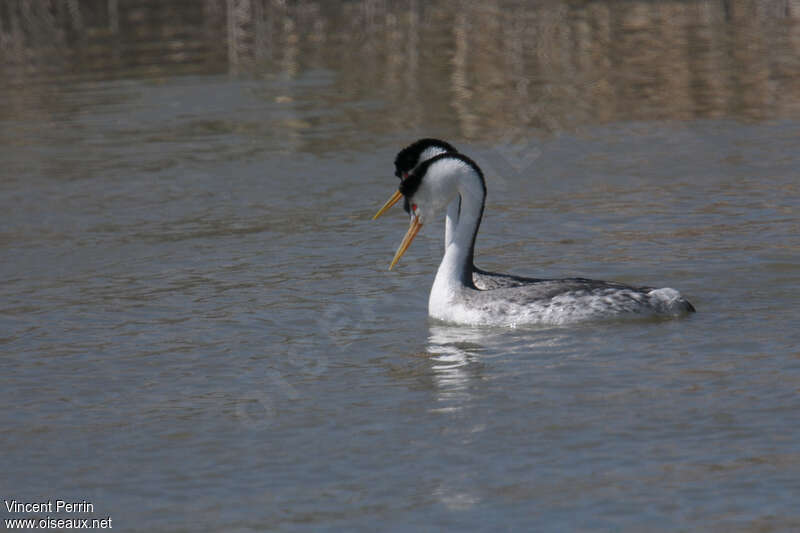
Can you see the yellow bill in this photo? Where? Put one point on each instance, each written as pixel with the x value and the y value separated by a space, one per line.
pixel 410 234
pixel 389 203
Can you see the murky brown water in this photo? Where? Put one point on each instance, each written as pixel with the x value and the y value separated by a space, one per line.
pixel 198 331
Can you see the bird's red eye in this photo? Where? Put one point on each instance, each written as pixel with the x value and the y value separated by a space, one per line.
pixel 405 175
pixel 414 207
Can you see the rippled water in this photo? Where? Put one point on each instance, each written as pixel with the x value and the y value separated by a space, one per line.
pixel 198 331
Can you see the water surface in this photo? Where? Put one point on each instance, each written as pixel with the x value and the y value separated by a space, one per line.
pixel 198 330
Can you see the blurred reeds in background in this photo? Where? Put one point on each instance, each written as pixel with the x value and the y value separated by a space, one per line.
pixel 542 64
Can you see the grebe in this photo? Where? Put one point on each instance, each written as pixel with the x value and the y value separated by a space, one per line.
pixel 421 150
pixel 430 187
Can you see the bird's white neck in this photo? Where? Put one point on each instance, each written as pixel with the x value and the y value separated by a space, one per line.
pixel 455 271
pixel 451 221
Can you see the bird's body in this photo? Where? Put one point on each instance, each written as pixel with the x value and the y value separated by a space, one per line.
pixel 557 301
pixel 456 297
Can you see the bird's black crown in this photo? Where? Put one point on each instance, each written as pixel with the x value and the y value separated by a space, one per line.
pixel 408 187
pixel 408 157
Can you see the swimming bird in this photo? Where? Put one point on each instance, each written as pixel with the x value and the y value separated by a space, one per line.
pixel 454 297
pixel 409 158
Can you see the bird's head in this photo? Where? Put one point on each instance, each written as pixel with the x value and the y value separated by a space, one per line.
pixel 430 187
pixel 412 155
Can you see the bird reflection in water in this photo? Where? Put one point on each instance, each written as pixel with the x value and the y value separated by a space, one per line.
pixel 455 352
